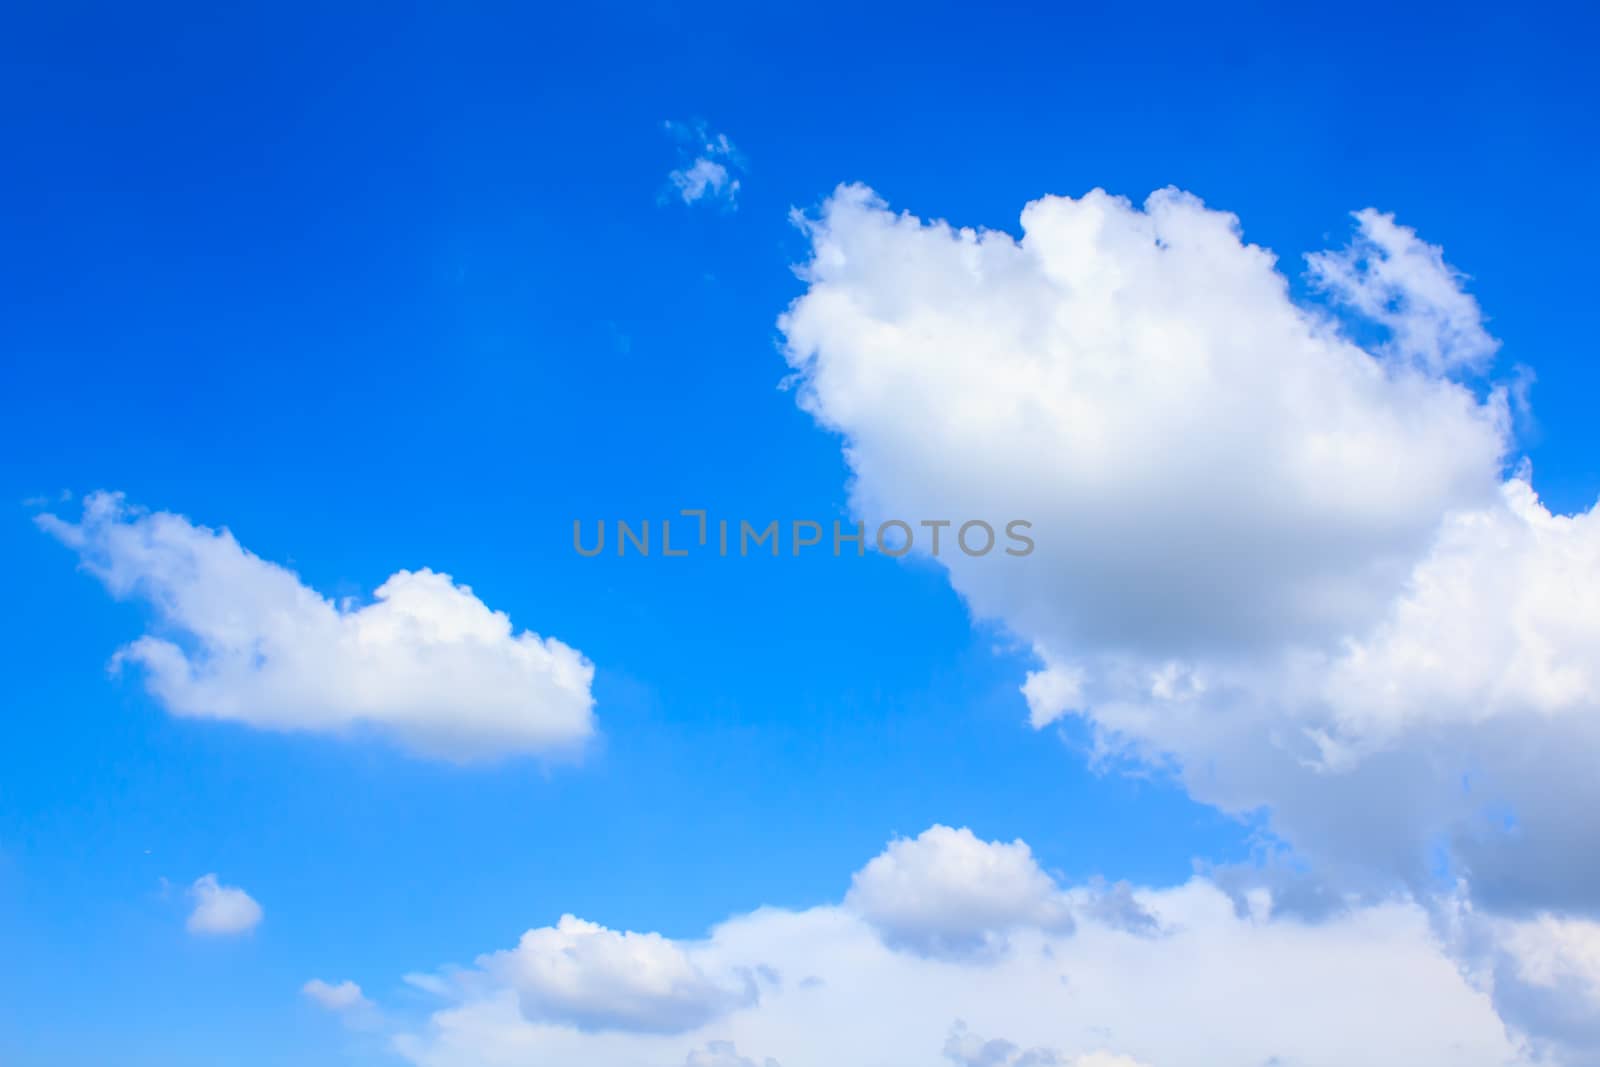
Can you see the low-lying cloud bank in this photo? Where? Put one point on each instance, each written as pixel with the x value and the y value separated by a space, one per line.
pixel 1086 976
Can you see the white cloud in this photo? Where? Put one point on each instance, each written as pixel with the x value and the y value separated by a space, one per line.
pixel 710 165
pixel 221 910
pixel 592 978
pixel 1217 987
pixel 426 662
pixel 1208 468
pixel 1456 726
pixel 948 893
pixel 1285 563
pixel 343 997
pixel 1285 566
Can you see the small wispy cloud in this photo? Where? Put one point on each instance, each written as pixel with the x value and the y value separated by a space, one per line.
pixel 709 165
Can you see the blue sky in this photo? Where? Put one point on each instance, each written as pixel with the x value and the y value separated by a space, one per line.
pixel 386 289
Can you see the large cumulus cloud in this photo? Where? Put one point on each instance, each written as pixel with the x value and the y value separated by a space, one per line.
pixel 1297 568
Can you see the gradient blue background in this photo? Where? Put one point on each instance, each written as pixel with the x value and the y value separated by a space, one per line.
pixel 389 286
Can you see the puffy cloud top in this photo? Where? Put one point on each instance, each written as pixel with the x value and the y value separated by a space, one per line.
pixel 221 910
pixel 1207 466
pixel 946 892
pixel 584 975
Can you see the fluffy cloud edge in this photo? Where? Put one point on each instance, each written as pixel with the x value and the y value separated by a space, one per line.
pixel 426 662
pixel 1213 977
pixel 221 910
